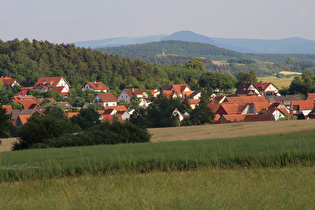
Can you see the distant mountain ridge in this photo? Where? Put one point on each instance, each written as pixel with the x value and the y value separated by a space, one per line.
pixel 293 45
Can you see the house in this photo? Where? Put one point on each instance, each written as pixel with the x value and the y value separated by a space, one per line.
pixel 23 91
pixel 16 112
pixel 245 99
pixel 27 101
pixel 8 109
pixel 279 113
pixel 177 113
pixel 8 81
pixel 154 92
pixel 286 100
pixel 106 99
pixel 303 106
pixel 193 103
pixel 22 119
pixel 64 104
pixel 310 96
pixel 169 93
pixel 258 118
pixel 247 89
pixel 178 89
pixel 127 94
pixel 57 84
pixel 71 114
pixel 95 86
pixel 219 99
pixel 232 118
pixel 267 88
pixel 117 108
pixel 105 117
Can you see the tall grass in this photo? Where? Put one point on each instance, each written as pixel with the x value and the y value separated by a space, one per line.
pixel 204 188
pixel 246 152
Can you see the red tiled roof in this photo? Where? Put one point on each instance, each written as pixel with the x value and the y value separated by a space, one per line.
pixel 168 93
pixel 261 106
pixel 229 108
pixel 180 88
pixel 117 108
pixel 257 118
pixel 8 109
pixel 107 97
pixel 133 91
pixel 284 111
pixel 24 118
pixel 47 82
pixel 234 117
pixel 246 99
pixel 214 107
pixel 193 101
pixel 311 96
pixel 98 85
pixel 72 114
pixel 305 104
pixel 110 117
pixel 6 81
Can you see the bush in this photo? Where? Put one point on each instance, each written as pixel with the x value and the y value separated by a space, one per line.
pixel 106 133
pixel 38 129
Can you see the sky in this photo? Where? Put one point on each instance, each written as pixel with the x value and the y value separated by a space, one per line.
pixel 67 21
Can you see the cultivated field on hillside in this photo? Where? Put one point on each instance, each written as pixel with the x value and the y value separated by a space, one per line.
pixel 230 130
pixel 279 82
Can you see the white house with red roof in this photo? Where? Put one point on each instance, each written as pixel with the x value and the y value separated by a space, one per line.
pixel 95 86
pixel 8 81
pixel 106 99
pixel 267 88
pixel 127 94
pixel 57 84
pixel 247 88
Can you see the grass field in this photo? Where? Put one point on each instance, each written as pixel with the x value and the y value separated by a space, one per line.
pixel 279 82
pixel 274 171
pixel 288 188
pixel 250 152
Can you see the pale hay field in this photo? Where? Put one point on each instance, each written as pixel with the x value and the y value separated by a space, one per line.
pixel 230 130
pixel 279 82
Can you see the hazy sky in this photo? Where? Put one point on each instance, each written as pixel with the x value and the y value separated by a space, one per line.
pixel 80 20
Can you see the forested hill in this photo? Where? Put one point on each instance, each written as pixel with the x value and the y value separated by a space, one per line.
pixel 28 61
pixel 195 49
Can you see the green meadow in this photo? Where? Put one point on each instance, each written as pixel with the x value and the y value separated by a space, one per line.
pixel 274 171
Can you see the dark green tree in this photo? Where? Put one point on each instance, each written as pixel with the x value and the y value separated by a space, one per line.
pixel 202 114
pixel 4 123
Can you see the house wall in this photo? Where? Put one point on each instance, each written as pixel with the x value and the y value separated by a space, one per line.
pixel 123 96
pixel 62 82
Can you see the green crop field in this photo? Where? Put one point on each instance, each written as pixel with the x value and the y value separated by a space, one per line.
pixel 274 171
pixel 279 82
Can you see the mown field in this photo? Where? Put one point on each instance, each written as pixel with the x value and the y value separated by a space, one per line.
pixel 265 171
pixel 279 82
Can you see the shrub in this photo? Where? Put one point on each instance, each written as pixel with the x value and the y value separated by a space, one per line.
pixel 106 133
pixel 37 129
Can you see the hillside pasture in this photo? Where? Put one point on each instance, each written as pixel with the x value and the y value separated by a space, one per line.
pixel 279 82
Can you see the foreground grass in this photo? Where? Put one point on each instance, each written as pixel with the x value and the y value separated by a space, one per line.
pixel 288 188
pixel 244 152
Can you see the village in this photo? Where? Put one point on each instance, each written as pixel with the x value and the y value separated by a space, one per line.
pixel 250 102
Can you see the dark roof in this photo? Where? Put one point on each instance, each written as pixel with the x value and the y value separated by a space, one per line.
pixel 273 98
